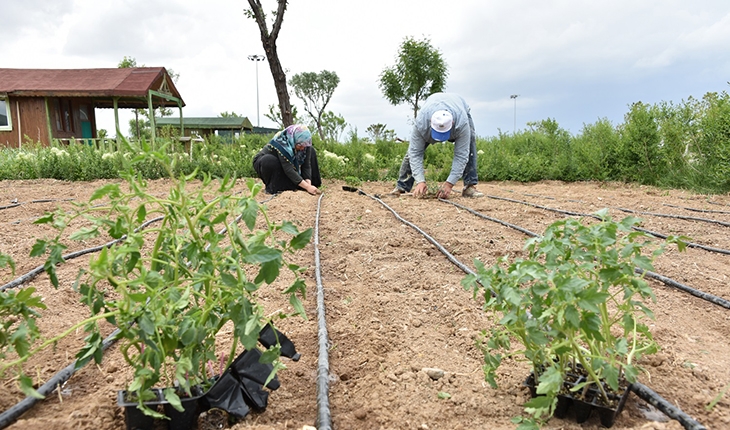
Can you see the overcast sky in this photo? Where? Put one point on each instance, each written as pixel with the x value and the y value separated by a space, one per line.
pixel 573 61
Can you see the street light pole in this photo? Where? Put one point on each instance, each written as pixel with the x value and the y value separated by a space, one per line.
pixel 256 59
pixel 514 96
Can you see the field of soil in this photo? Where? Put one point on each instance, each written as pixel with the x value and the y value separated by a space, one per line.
pixel 394 306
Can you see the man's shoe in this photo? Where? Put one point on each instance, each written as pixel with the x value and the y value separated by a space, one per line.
pixel 471 191
pixel 396 192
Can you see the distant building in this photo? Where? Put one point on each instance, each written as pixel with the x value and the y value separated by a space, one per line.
pixel 47 104
pixel 227 128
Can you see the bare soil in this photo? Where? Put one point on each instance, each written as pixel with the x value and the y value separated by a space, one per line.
pixel 394 306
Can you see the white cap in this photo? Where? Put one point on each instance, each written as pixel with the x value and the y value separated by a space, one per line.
pixel 441 122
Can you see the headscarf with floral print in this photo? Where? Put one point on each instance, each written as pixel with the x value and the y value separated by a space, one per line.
pixel 286 140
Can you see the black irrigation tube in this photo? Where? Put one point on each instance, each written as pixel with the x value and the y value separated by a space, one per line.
pixel 648 395
pixel 688 218
pixel 695 209
pixel 697 293
pixel 324 417
pixel 689 244
pixel 498 221
pixel 9 416
pixel 443 250
pixel 659 235
pixel 16 204
pixel 35 272
pixel 641 390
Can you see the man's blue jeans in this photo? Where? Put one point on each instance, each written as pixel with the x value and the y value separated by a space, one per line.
pixel 405 176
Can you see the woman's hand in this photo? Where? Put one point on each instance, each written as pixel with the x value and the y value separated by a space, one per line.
pixel 307 186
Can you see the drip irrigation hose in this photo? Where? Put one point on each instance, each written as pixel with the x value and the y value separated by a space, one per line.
pixel 443 250
pixel 688 218
pixel 689 244
pixel 498 221
pixel 659 235
pixel 433 241
pixel 9 416
pixel 696 210
pixel 545 207
pixel 697 293
pixel 667 408
pixel 16 204
pixel 35 272
pixel 324 418
pixel 542 197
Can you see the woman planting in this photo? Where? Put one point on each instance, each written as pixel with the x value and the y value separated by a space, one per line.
pixel 289 162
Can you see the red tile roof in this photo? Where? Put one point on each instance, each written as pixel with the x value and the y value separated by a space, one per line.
pixel 125 82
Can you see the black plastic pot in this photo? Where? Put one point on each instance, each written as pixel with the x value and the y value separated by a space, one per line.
pixel 134 418
pixel 188 418
pixel 583 407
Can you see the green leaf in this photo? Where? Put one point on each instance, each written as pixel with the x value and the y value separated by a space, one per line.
pixel 6 260
pixel 45 219
pixel 229 280
pixel 26 386
pixel 297 305
pixel 146 324
pixel 85 233
pixel 39 248
pixel 141 213
pixel 188 337
pixel 118 230
pixel 572 316
pixel 270 355
pixel 262 254
pixel 268 273
pixel 540 405
pixel 302 239
pixel 173 398
pixel 111 190
pixel 550 381
pixel 20 339
pixel 289 227
pixel 249 213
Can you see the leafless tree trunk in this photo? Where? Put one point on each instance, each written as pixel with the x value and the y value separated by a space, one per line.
pixel 269 41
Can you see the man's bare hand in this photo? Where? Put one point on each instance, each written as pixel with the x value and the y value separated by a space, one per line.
pixel 444 190
pixel 420 190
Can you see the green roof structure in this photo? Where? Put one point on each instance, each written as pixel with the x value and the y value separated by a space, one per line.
pixel 207 123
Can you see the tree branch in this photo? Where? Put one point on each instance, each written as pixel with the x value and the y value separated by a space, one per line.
pixel 279 18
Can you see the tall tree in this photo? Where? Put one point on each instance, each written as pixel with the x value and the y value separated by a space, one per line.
pixel 419 71
pixel 268 39
pixel 315 90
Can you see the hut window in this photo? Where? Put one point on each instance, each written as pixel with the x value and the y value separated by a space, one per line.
pixel 63 115
pixel 5 123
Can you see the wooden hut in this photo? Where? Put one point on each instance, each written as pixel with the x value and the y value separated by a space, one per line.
pixel 42 105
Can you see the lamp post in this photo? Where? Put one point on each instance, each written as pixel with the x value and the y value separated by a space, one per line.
pixel 514 96
pixel 256 59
